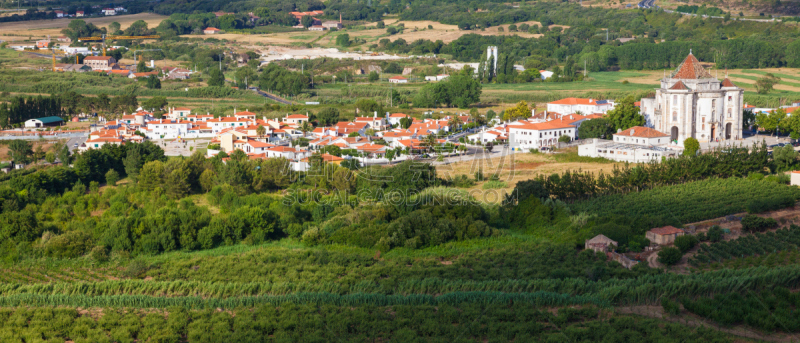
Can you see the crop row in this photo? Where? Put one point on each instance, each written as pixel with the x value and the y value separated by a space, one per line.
pixel 693 201
pixel 645 289
pixel 358 299
pixel 757 244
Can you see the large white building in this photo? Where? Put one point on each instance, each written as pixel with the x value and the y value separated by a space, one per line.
pixel 693 103
pixel 576 105
pixel 638 144
pixel 525 135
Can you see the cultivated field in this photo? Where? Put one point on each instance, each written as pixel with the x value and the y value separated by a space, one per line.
pixel 53 27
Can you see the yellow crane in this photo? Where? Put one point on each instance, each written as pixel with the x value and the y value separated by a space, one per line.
pixel 111 37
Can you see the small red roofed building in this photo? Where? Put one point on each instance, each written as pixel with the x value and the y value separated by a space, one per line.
pixel 211 30
pixel 642 136
pixel 664 235
pixel 398 79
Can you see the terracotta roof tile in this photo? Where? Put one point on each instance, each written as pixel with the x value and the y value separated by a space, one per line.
pixel 727 83
pixel 666 230
pixel 690 68
pixel 642 132
pixel 679 86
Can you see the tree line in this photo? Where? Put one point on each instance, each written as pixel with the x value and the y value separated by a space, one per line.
pixel 20 109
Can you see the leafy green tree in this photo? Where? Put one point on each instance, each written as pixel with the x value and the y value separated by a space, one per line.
pixel 766 83
pixel 373 76
pixel 151 174
pixel 784 157
pixel 328 116
pixel 307 21
pixel 406 122
pixel 155 103
pixel 133 163
pixel 20 151
pixel 63 155
pixel 685 242
pixel 50 157
pixel 112 177
pixel 114 28
pixel 380 24
pixel 690 146
pixel 669 256
pixel 520 111
pixel 215 77
pixel 343 40
pixel 714 233
pixel 141 67
pixel 153 82
pixel 595 128
pixel 625 115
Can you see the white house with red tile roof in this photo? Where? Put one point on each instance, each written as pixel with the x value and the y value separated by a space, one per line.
pixel 398 79
pixel 252 146
pixel 211 30
pixel 407 143
pixel 499 133
pixel 166 128
pixel 295 119
pixel 218 124
pixel 394 118
pixel 641 135
pixel 286 152
pixel 391 136
pixel 374 149
pixel 527 135
pixel 344 128
pixel 98 143
pixel 375 122
pixel 582 105
pixel 638 144
pixel 244 115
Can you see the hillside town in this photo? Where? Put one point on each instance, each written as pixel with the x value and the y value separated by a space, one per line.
pixel 691 102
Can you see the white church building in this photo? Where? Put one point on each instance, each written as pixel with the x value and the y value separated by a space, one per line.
pixel 693 103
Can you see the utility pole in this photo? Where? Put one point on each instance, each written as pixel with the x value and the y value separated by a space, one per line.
pixel 584 68
pixel 220 63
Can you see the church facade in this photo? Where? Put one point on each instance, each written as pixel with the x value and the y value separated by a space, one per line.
pixel 693 103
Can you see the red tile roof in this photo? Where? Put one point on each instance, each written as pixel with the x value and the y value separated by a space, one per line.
pixel 690 68
pixel 98 58
pixel 667 230
pixel 297 116
pixel 399 115
pixel 727 83
pixel 679 86
pixel 550 125
pixel 574 101
pixel 397 78
pixel 642 132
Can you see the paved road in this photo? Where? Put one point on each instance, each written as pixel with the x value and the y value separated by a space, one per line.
pixel 273 97
pixel 75 140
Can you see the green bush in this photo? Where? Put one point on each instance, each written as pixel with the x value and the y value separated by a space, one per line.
pixel 669 256
pixel 751 223
pixel 670 307
pixel 685 242
pixel 714 233
pixel 112 177
pixel 755 176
